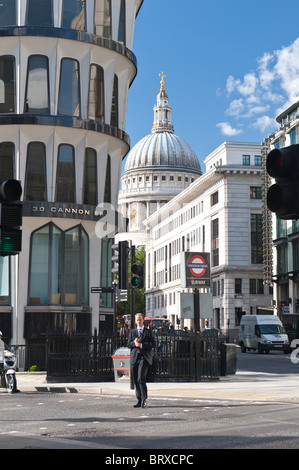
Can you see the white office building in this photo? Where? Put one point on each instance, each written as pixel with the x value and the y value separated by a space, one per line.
pixel 219 213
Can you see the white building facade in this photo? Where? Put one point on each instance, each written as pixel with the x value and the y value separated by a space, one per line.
pixel 66 67
pixel 219 213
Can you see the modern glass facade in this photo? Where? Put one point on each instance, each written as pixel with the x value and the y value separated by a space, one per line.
pixel 62 134
pixel 59 266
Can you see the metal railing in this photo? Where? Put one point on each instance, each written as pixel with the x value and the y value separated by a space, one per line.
pixel 30 357
pixel 177 357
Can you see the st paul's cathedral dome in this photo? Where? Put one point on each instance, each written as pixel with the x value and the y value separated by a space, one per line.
pixel 158 167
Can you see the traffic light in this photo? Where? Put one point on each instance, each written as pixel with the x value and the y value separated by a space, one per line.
pixel 120 259
pixel 137 275
pixel 10 217
pixel 283 196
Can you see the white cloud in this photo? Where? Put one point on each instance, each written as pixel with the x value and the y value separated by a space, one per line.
pixel 235 108
pixel 258 109
pixel 231 84
pixel 227 129
pixel 265 123
pixel 245 88
pixel 262 94
pixel 249 84
pixel 266 76
pixel 287 70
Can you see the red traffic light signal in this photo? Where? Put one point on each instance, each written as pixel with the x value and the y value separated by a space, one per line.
pixel 283 196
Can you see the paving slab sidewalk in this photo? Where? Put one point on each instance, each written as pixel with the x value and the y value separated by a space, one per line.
pixel 240 386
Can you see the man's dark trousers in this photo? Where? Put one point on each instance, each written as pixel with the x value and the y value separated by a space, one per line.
pixel 139 370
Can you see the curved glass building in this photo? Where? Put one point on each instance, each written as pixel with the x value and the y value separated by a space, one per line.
pixel 66 67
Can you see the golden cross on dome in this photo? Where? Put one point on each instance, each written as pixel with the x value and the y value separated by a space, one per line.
pixel 162 75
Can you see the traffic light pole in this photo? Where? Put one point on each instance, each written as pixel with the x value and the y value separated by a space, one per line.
pixel 132 303
pixel 132 308
pixel 114 283
pixel 197 335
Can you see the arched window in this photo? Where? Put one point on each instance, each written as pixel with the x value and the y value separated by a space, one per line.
pixel 37 88
pixel 59 266
pixel 35 182
pixel 103 18
pixel 96 93
pixel 7 151
pixel 122 23
pixel 107 193
pixel 69 88
pixel 40 13
pixel 65 185
pixel 114 107
pixel 8 15
pixel 76 266
pixel 39 266
pixel 7 84
pixel 90 177
pixel 74 14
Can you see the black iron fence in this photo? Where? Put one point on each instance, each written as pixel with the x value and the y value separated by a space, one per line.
pixel 31 357
pixel 179 356
pixel 78 357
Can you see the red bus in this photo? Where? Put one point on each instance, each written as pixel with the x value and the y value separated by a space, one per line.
pixel 157 322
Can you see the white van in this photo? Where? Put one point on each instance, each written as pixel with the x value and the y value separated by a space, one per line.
pixel 264 333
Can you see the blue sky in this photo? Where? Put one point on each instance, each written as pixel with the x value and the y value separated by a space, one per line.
pixel 231 67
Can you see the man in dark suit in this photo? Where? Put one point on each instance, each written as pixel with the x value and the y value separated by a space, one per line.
pixel 141 344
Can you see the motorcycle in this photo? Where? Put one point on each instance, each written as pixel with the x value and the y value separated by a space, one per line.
pixel 8 373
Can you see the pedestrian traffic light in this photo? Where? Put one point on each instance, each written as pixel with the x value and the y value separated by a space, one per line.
pixel 10 217
pixel 137 275
pixel 283 196
pixel 120 260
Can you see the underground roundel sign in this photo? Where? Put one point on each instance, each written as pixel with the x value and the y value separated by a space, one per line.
pixel 197 265
pixel 197 269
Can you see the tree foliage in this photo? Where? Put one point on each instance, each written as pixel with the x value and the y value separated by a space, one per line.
pixel 123 308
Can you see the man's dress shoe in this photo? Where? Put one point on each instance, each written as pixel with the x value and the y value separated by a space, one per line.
pixel 138 404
